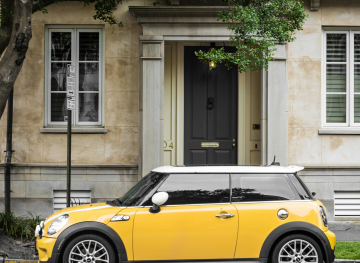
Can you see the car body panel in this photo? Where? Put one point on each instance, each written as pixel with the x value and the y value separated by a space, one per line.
pixel 45 247
pixel 185 232
pixel 125 229
pixel 102 213
pixel 258 220
pixel 332 238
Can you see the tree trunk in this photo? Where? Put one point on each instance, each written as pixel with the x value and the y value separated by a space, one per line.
pixel 7 7
pixel 12 59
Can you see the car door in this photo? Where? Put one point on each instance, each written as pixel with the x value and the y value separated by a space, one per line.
pixel 258 198
pixel 197 221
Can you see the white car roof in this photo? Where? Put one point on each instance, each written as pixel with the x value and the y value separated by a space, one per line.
pixel 229 169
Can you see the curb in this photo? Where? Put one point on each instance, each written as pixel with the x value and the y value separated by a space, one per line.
pixel 21 261
pixel 347 261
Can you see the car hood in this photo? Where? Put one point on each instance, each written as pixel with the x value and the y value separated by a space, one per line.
pixel 99 212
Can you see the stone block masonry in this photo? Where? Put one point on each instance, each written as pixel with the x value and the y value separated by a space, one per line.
pixel 33 185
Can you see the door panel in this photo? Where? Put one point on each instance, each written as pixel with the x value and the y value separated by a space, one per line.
pixel 210 111
pixel 185 232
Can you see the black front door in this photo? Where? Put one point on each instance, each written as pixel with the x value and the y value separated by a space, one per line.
pixel 210 112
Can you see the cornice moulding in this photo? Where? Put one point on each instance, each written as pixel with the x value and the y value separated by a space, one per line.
pixel 176 11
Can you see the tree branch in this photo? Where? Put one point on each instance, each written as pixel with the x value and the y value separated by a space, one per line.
pixel 39 5
pixel 14 55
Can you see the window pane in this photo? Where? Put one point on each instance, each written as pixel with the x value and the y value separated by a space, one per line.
pixel 357 48
pixel 61 46
pixel 302 190
pixel 264 188
pixel 336 48
pixel 89 46
pixel 357 108
pixel 58 76
pixel 88 76
pixel 143 190
pixel 89 107
pixel 336 108
pixel 58 107
pixel 356 78
pixel 196 188
pixel 335 78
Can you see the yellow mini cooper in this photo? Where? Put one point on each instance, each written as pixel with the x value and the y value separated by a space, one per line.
pixel 184 214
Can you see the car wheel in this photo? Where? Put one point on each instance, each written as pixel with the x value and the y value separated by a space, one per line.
pixel 89 249
pixel 297 249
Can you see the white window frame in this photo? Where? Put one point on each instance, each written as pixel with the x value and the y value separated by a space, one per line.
pixel 75 30
pixel 349 80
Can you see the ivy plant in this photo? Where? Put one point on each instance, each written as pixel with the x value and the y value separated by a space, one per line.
pixel 256 26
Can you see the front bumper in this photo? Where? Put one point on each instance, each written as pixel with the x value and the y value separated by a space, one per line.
pixel 45 248
pixel 332 241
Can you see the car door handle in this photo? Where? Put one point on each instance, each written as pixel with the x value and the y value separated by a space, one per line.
pixel 225 215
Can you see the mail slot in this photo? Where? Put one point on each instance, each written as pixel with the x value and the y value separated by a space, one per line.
pixel 210 144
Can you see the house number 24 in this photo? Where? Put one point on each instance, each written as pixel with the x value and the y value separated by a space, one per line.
pixel 169 144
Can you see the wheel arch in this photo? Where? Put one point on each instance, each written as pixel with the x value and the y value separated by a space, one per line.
pixel 297 228
pixel 95 228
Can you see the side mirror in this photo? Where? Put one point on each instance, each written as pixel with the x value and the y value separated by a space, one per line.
pixel 158 199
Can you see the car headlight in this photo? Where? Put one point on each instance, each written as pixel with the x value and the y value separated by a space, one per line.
pixel 323 215
pixel 58 223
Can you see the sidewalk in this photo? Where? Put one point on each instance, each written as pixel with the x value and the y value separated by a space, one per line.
pixel 345 230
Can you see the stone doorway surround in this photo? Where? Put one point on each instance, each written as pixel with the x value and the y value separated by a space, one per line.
pixel 199 24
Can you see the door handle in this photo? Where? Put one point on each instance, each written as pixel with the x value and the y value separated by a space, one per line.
pixel 225 215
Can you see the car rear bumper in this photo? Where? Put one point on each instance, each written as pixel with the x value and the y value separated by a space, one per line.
pixel 332 242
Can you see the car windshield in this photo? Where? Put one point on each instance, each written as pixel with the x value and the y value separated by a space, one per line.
pixel 142 191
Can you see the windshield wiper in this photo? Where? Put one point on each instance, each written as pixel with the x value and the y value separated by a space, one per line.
pixel 115 202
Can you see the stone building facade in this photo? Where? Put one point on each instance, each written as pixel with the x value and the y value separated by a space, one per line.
pixel 143 92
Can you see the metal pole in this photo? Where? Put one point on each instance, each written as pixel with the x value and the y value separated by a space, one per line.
pixel 8 151
pixel 68 160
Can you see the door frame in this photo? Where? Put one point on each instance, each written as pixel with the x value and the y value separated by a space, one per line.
pixel 243 106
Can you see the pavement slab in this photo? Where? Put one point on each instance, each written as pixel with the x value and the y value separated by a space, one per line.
pixel 345 230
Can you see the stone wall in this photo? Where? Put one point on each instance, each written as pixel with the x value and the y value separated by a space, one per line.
pixel 120 143
pixel 306 146
pixel 32 185
pixel 325 180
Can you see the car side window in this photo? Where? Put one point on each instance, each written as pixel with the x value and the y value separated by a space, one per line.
pixel 301 188
pixel 261 187
pixel 196 188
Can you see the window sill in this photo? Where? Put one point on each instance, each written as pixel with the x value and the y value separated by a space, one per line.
pixel 74 130
pixel 339 132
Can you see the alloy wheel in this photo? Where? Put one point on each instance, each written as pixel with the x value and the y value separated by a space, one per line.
pixel 298 251
pixel 89 251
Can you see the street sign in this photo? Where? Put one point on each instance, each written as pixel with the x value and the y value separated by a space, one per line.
pixel 70 90
pixel 70 84
pixel 71 71
pixel 71 103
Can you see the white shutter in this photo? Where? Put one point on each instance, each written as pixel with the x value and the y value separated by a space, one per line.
pixel 78 197
pixel 347 203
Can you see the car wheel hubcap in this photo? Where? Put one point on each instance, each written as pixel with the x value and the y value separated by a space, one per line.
pixel 88 251
pixel 298 251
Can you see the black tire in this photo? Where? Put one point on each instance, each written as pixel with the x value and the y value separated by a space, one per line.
pixel 89 239
pixel 275 253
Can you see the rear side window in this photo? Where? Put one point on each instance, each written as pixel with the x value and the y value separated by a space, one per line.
pixel 258 188
pixel 196 188
pixel 300 187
